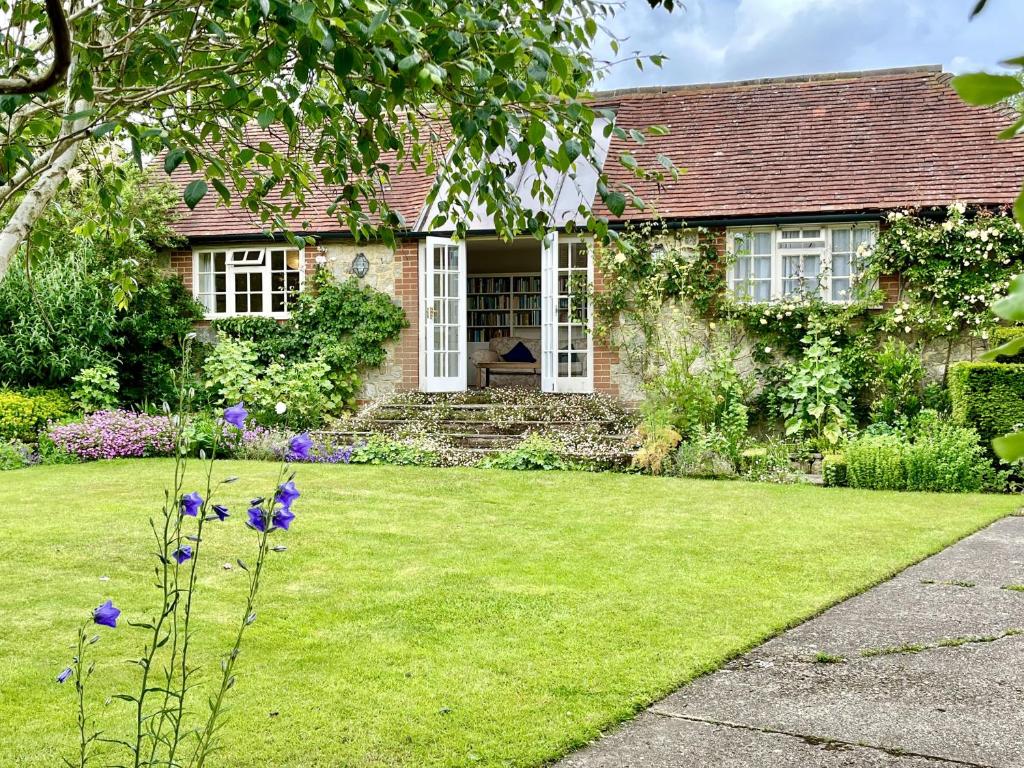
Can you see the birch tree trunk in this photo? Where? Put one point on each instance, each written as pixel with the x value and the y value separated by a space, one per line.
pixel 39 195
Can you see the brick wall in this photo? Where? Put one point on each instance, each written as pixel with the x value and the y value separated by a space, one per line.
pixel 605 356
pixel 181 264
pixel 407 296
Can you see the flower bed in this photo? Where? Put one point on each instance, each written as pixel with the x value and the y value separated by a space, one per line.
pixel 115 435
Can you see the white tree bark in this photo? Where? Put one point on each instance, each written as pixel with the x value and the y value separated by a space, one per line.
pixel 39 195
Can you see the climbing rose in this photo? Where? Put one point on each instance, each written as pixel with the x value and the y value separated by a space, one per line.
pixel 220 511
pixel 236 416
pixel 257 519
pixel 190 504
pixel 63 676
pixel 298 447
pixel 106 614
pixel 287 493
pixel 182 554
pixel 283 518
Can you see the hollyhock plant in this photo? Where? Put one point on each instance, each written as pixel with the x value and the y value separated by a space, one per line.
pixel 160 717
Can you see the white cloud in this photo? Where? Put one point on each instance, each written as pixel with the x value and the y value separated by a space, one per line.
pixel 712 40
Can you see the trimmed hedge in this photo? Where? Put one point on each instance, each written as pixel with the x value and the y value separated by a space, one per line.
pixel 989 397
pixel 24 414
pixel 1004 333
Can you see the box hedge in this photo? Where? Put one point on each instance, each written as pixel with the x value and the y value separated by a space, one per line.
pixel 989 397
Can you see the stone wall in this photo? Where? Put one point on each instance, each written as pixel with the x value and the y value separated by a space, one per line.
pixel 394 272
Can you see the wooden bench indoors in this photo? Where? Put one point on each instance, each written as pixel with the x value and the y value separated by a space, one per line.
pixel 484 369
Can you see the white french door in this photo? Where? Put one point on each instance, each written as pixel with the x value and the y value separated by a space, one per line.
pixel 567 339
pixel 443 316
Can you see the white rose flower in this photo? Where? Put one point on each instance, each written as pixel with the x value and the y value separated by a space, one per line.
pixel 280 408
pixel 767 350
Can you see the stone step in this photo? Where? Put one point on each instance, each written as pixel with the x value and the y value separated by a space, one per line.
pixel 461 426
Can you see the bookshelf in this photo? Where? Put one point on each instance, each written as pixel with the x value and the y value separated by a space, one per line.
pixel 502 304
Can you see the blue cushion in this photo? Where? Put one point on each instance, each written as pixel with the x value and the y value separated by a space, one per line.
pixel 520 353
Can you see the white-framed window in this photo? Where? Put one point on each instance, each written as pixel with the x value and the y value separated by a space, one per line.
pixel 777 262
pixel 244 280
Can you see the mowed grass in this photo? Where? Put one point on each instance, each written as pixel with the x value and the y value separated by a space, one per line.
pixel 426 617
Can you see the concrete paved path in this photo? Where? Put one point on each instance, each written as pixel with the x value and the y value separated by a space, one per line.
pixel 932 676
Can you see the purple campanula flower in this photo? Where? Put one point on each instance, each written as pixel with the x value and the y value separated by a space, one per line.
pixel 283 518
pixel 287 493
pixel 220 511
pixel 298 447
pixel 106 614
pixel 63 676
pixel 257 519
pixel 236 415
pixel 182 554
pixel 190 504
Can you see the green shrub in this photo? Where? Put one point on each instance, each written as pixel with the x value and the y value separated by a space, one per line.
pixel 897 384
pixel 1002 334
pixel 64 316
pixel 270 339
pixel 815 398
pixel 767 462
pixel 948 458
pixel 24 414
pixel 708 453
pixel 15 454
pixel 988 397
pixel 834 470
pixel 383 450
pixel 533 452
pixel 96 389
pixel 876 462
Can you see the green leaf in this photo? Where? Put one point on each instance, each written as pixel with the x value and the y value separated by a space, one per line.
pixel 981 88
pixel 195 192
pixel 173 160
pixel 103 129
pixel 616 202
pixel 1013 130
pixel 1018 207
pixel 1011 307
pixel 303 12
pixel 1012 347
pixel 1009 447
pixel 410 61
pixel 83 113
pixel 266 117
pixel 536 132
pixel 573 149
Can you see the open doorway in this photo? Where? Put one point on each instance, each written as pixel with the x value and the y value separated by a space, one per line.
pixel 503 313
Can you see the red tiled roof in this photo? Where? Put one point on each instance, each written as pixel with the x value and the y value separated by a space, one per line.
pixel 405 194
pixel 829 143
pixel 845 142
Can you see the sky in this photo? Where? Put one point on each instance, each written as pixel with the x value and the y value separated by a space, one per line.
pixel 720 40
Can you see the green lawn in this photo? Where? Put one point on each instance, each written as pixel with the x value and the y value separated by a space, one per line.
pixel 426 617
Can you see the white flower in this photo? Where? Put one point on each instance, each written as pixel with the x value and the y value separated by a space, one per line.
pixel 767 350
pixel 763 321
pixel 907 329
pixel 321 259
pixel 947 225
pixel 960 208
pixel 280 408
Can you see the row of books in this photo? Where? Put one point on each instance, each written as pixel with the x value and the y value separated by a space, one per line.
pixel 501 301
pixel 489 285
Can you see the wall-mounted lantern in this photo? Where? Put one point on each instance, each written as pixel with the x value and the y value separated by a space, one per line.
pixel 360 265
